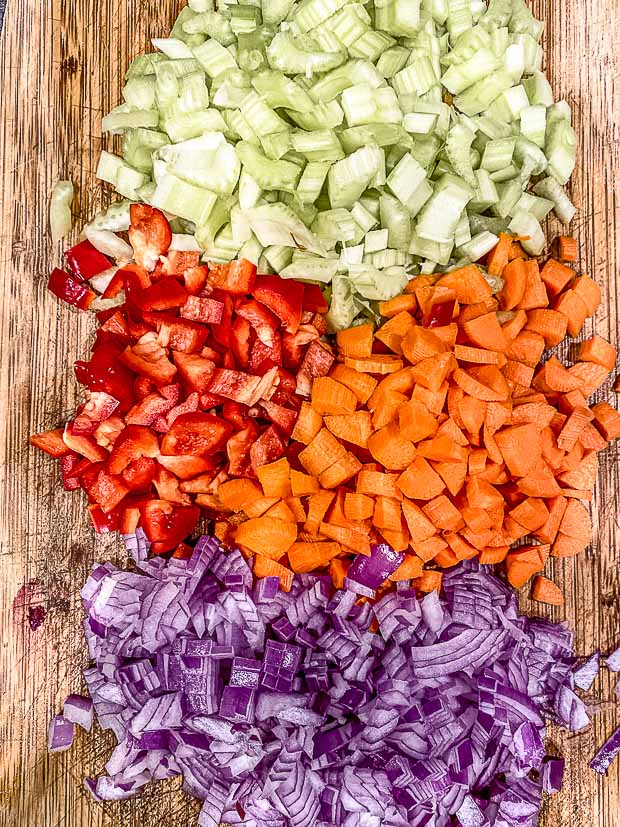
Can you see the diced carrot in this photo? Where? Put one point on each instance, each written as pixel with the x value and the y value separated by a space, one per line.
pixel 410 567
pixel 379 363
pixel 477 461
pixel 471 385
pixel 420 526
pixel 515 277
pixel 476 518
pixel 453 474
pixel 331 397
pixel 472 412
pixel 447 333
pixel 571 305
pixel 546 591
pixel 306 557
pixel 571 400
pixel 340 471
pixel 282 512
pixel 348 537
pixel 515 325
pixel 317 509
pixel 399 382
pixel 434 401
pixel 266 536
pixel 468 283
pixel 590 439
pixel 550 324
pixel 420 343
pixel 259 506
pixel 461 548
pixel 472 311
pixel 393 331
pixel 416 422
pixel 531 513
pixel 387 410
pixel 236 494
pixel 584 475
pixel 356 341
pixel 387 514
pixel 535 295
pixel 485 332
pixel 497 414
pixel 419 281
pixel 264 567
pixel 526 347
pixel 479 539
pixel 518 373
pixel 275 478
pixel 297 508
pixel 391 449
pixel 478 355
pixel 309 423
pixel 450 429
pixel 429 582
pixel 556 276
pixel 358 506
pixel 355 427
pixel 607 420
pixel 499 255
pixel 567 248
pixel 429 297
pixel 540 413
pixel 446 558
pixel 302 485
pixel 361 384
pixel 427 550
pixel 543 485
pixel 596 349
pixel 443 514
pixel 576 522
pixel 572 459
pixel 590 376
pixel 513 531
pixel 442 449
pixel 589 292
pixel 482 495
pixel 399 540
pixel 522 563
pixel 322 452
pixel 376 483
pixel 431 373
pixel 520 448
pixel 419 481
pixel 573 427
pixel 493 556
pixel 516 251
pixel 553 376
pixel 392 307
pixel 577 494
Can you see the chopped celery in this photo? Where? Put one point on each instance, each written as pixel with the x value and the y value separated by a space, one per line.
pixel 279 91
pixel 507 106
pixel 562 205
pixel 416 78
pixel 434 250
pixel 425 149
pixel 209 162
pixel 362 104
pixel 381 134
pixel 382 259
pixel 60 210
pixel 214 58
pixel 211 23
pixel 458 146
pixel 478 246
pixel 124 117
pixel 560 149
pixel 526 150
pixel 440 215
pixel 371 45
pixel 392 61
pixel 365 219
pixel 533 123
pixel 481 95
pixel 372 284
pixel 351 255
pixel 311 13
pixel 462 234
pixel 184 199
pixel 538 89
pixel 526 225
pixel 347 179
pixel 486 192
pixel 498 154
pixel 139 92
pixel 509 194
pixel 420 123
pixel 268 174
pixel 538 207
pixel 278 257
pixel 319 145
pixel 334 225
pixel 505 174
pixel 263 119
pixel 139 146
pixel 251 250
pixel 275 11
pixel 313 268
pixel 461 76
pixel 299 56
pixel 376 240
pixel 312 180
pixel 171 47
pixel 323 116
pixel 406 178
pixel 125 179
pixel 276 145
pixel 333 83
pixel 278 224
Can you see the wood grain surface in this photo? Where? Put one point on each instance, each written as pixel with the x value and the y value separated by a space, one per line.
pixel 61 68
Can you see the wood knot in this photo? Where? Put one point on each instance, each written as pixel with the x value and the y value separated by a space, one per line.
pixel 68 66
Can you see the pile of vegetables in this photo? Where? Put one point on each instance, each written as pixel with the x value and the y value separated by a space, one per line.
pixel 317 707
pixel 347 143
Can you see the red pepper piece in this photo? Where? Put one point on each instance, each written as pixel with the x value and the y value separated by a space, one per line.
pixel 129 520
pixel 68 464
pixel 262 320
pixel 319 322
pixel 208 401
pixel 103 523
pixel 131 278
pixel 105 373
pixel 99 406
pixel 195 371
pixel 135 441
pixel 200 309
pixel 269 447
pixel 238 277
pixel 167 525
pixel 294 345
pixel 183 552
pixel 189 405
pixel 235 413
pixel 70 290
pixel 149 234
pixel 222 332
pixel 176 262
pixel 85 261
pixel 285 390
pixel 317 362
pixel 238 450
pixel 165 294
pixel 439 314
pixel 51 442
pixel 198 434
pixel 139 474
pixel 154 405
pixel 148 358
pixel 284 418
pixel 142 387
pixel 195 279
pixel 186 467
pixel 176 333
pixel 284 298
pixel 83 445
pixel 116 324
pixel 107 491
pixel 242 336
pixel 263 358
pixel 167 486
pixel 314 299
pixel 83 467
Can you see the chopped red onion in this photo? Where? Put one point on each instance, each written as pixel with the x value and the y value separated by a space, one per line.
pixel 285 710
pixel 552 774
pixel 606 754
pixel 585 674
pixel 79 711
pixel 60 734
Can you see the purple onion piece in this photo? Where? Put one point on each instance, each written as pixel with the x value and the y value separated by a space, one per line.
pixel 60 734
pixel 603 758
pixel 79 710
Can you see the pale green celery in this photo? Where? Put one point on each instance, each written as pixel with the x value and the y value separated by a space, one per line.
pixel 320 145
pixel 342 305
pixel 305 212
pixel 491 128
pixel 514 61
pixel 560 111
pixel 237 123
pixel 374 285
pixel 498 154
pixel 538 89
pixel 437 10
pixel 420 123
pixel 351 255
pixel 425 149
pixel 124 117
pixel 213 24
pixel 364 105
pixel 125 179
pixel 462 234
pixel 312 268
pixel 466 46
pixel 460 77
pixel 225 247
pixel 495 225
pixel 333 83
pixel 268 174
pixel 509 194
pixel 478 246
pixel 299 55
pixel 209 162
pixel 334 226
pixel 244 19
pixel 440 215
pixel 371 45
pixel 505 174
pixel 311 13
pixel 278 257
pixel 370 201
pixel 526 225
pixel 392 61
pixel 215 58
pixel 435 251
pixel 324 116
pixel 200 6
pixel 144 65
pixel 349 24
pixel 249 191
pixel 482 94
pixel 193 94
pixel 172 47
pixel 252 51
pixel 263 119
pixel 500 40
pixel 178 29
pixel 278 224
pixel 394 155
pixel 442 110
pixel 184 199
pixel 386 134
pixel 508 106
pixel 213 222
pixel 227 91
pixel 457 149
pixel 60 210
pixel 523 21
pixel 485 194
pixel 312 180
pixel 347 179
pixel 365 219
pixel 400 18
pixel 560 149
pixel 459 17
pixel 498 14
pixel 275 11
pixel 538 207
pixel 276 145
pixel 326 40
pixel 527 151
pixel 531 52
pixel 279 91
pixel 416 78
pixel 193 124
pixel 251 250
pixel 139 145
pixel 139 92
pixel 376 240
pixel 296 158
pixel 405 179
pixel 114 218
pixel 381 259
pixel 562 205
pixel 533 123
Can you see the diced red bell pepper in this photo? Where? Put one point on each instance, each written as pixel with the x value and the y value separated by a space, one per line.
pixel 263 358
pixel 85 261
pixel 167 486
pixel 238 450
pixel 135 441
pixel 319 322
pixel 285 390
pixel 154 405
pixel 198 434
pixel 142 387
pixel 208 401
pixel 99 406
pixel 83 467
pixel 163 295
pixel 314 299
pixel 51 442
pixel 176 262
pixel 84 445
pixel 181 335
pixel 167 525
pixel 149 234
pixel 242 335
pixel 131 278
pixel 139 474
pixel 284 418
pixel 116 324
pixel 195 279
pixel 103 523
pixel 189 405
pixel 183 552
pixel 269 447
pixel 264 322
pixel 70 290
pixel 107 491
pixel 68 464
pixel 222 332
pixel 212 354
pixel 238 277
pixel 294 345
pixel 195 371
pixel 187 467
pixel 283 297
pixel 235 413
pixel 317 362
pixel 243 387
pixel 200 309
pixel 104 372
pixel 148 358
pixel 129 519
pixel 438 314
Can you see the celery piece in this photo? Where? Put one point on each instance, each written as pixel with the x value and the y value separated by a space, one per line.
pixel 114 218
pixel 244 19
pixel 125 179
pixel 211 23
pixel 405 179
pixel 485 194
pixel 144 65
pixel 562 205
pixel 184 199
pixel 238 124
pixel 497 14
pixel 249 191
pixel 311 268
pixel 526 225
pixel 263 119
pixel 342 306
pixel 381 134
pixel 364 105
pixel 459 17
pixel 320 145
pixel 509 194
pixel 507 106
pixel 278 257
pixel 324 116
pixel 309 14
pixel 523 21
pixel 193 124
pixel 560 149
pixel 478 246
pixel 171 47
pixel 139 146
pixel 60 210
pixel 538 207
pixel 252 51
pixel 374 285
pixel 397 220
pixel 392 61
pixel 371 45
pixel 275 11
pixel 276 145
pixel 178 29
pixel 278 224
pixel 365 219
pixel 209 162
pixel 214 58
pixel 416 78
pixel 533 123
pixel 347 179
pixel 420 123
pixel 491 128
pixel 124 117
pixel 352 72
pixel 462 234
pixel 460 77
pixel 376 240
pixel 425 149
pixel 212 223
pixel 279 91
pixel 251 250
pixel 228 92
pixel 498 154
pixel 311 182
pixel 495 225
pixel 139 92
pixel 381 259
pixel 504 174
pixel 458 146
pixel 225 247
pixel 435 251
pixel 332 226
pixel 526 150
pixel 351 255
pixel 513 61
pixel 481 95
pixel 538 89
pixel 441 213
pixel 268 174
pixel 349 24
pixel 298 55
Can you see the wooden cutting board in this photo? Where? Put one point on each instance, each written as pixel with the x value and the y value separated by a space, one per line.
pixel 61 68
